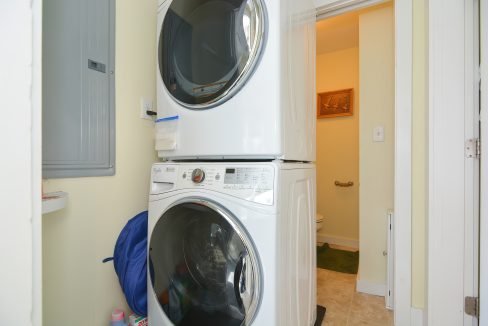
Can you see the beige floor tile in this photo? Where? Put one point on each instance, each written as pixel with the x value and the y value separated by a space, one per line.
pixel 336 276
pixel 335 314
pixel 354 320
pixel 334 290
pixel 346 307
pixel 322 274
pixel 338 322
pixel 333 303
pixel 336 297
pixel 364 322
pixel 370 308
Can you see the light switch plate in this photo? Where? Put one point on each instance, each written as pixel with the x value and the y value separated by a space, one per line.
pixel 379 134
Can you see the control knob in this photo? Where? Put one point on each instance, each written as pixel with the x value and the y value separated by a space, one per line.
pixel 198 175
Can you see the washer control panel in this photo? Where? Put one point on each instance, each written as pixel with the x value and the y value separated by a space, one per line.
pixel 248 178
pixel 251 182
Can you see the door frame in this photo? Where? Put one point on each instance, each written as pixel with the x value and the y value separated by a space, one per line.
pixel 36 125
pixel 453 200
pixel 483 289
pixel 403 12
pixel 21 186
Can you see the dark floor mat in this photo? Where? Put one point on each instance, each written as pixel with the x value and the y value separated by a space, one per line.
pixel 320 315
pixel 337 260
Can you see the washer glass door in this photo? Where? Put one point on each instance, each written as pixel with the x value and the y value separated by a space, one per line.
pixel 209 48
pixel 203 267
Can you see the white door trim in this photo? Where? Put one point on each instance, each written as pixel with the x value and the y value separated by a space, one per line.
pixel 403 163
pixel 418 317
pixel 403 148
pixel 36 125
pixel 452 208
pixel 328 8
pixel 471 166
pixel 484 168
pixel 20 88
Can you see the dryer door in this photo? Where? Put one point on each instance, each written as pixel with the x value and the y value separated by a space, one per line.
pixel 203 266
pixel 209 48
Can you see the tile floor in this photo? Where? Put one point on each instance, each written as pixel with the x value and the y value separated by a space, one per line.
pixel 346 307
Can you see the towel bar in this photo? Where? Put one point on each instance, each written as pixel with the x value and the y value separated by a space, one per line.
pixel 344 184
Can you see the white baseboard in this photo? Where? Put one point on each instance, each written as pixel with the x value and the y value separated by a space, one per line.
pixel 346 242
pixel 370 288
pixel 417 318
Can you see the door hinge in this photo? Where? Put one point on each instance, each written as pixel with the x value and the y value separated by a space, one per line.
pixel 473 148
pixel 471 306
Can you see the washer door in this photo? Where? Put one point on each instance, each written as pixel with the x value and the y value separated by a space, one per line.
pixel 203 267
pixel 208 49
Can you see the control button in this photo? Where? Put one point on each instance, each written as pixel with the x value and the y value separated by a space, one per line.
pixel 198 175
pixel 184 175
pixel 217 177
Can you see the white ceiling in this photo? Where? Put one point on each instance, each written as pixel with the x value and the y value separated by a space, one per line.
pixel 338 33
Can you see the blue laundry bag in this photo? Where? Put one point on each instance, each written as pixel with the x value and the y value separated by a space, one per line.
pixel 130 262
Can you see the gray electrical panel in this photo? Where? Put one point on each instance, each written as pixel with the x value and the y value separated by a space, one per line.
pixel 78 126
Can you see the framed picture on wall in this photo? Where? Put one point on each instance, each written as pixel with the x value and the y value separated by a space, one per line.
pixel 335 104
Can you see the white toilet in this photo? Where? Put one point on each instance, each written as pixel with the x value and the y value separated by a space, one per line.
pixel 320 221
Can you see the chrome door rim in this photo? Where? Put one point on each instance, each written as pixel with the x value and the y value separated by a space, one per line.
pixel 246 240
pixel 246 73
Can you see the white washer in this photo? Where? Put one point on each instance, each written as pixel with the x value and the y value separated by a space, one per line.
pixel 236 79
pixel 232 244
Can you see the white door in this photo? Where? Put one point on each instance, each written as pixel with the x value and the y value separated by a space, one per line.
pixel 454 179
pixel 483 292
pixel 20 188
pixel 472 168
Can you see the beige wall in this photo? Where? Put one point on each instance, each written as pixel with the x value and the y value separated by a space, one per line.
pixel 78 288
pixel 376 70
pixel 338 148
pixel 419 153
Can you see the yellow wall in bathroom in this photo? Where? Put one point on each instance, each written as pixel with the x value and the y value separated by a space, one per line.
pixel 77 288
pixel 338 148
pixel 419 153
pixel 369 69
pixel 376 168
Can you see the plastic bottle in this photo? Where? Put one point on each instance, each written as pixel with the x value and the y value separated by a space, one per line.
pixel 118 318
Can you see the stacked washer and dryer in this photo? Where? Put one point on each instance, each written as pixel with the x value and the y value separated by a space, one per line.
pixel 232 205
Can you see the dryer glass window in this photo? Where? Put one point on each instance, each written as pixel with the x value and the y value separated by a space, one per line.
pixel 208 49
pixel 203 267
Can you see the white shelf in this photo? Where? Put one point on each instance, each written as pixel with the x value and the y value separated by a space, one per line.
pixel 54 201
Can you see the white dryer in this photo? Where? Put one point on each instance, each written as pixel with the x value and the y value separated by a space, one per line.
pixel 236 79
pixel 232 244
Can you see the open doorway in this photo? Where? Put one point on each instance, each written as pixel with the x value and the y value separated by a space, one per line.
pixel 355 163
